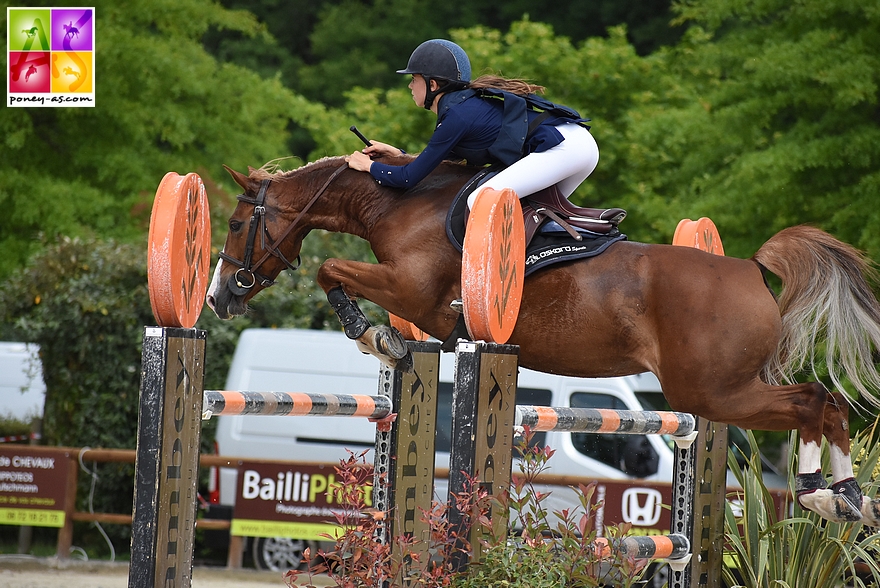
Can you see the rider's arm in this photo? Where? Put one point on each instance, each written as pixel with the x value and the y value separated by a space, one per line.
pixel 448 133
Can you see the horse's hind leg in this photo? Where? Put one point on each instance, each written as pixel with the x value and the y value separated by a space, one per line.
pixel 814 412
pixel 845 486
pixel 846 489
pixel 841 502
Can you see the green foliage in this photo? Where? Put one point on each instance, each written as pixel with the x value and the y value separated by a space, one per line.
pixel 802 551
pixel 549 548
pixel 324 49
pixel 780 124
pixel 162 103
pixel 13 427
pixel 85 304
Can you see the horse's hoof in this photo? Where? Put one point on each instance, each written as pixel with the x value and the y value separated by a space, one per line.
pixel 845 510
pixel 871 511
pixel 849 492
pixel 390 342
pixel 404 364
pixel 389 346
pixel 830 506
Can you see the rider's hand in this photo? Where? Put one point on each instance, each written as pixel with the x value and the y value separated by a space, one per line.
pixel 378 148
pixel 359 161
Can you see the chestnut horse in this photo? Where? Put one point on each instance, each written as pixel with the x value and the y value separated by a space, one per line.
pixel 722 346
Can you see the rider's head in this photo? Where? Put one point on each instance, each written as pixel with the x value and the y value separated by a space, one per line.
pixel 442 61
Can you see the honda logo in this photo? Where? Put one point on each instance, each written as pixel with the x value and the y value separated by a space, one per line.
pixel 641 506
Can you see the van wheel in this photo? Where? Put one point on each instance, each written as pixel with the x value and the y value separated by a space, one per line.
pixel 278 554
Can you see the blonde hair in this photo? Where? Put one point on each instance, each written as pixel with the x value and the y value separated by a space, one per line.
pixel 514 86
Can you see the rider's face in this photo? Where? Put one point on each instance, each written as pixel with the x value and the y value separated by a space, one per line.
pixel 417 87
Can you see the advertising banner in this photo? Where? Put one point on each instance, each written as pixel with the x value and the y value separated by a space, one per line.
pixel 296 501
pixel 32 487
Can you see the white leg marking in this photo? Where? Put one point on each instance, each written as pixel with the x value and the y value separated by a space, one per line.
pixel 809 457
pixel 841 465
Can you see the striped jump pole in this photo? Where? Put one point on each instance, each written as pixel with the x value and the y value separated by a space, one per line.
pixel 605 420
pixel 225 402
pixel 671 547
pixel 404 453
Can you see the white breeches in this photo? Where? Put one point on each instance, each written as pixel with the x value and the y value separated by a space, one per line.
pixel 567 164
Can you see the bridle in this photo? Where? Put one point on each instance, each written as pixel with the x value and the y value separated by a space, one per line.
pixel 246 267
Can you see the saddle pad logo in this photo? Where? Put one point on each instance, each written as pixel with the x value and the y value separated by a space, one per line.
pixel 50 57
pixel 641 506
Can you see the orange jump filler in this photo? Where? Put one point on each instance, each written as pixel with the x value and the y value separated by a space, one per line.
pixel 493 265
pixel 179 254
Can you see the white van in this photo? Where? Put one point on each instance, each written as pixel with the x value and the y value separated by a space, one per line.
pixel 22 391
pixel 293 360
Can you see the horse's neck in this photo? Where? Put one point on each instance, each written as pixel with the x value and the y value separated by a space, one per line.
pixel 352 203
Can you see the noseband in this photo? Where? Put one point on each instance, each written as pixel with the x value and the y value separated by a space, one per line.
pixel 246 267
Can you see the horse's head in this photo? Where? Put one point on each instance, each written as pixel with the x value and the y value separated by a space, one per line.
pixel 265 235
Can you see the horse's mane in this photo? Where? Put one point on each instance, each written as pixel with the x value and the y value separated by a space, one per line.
pixel 271 169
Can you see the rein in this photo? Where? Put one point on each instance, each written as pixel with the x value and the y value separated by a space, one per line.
pixel 258 224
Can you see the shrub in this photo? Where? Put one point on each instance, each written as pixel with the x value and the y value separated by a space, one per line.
pixel 802 551
pixel 539 553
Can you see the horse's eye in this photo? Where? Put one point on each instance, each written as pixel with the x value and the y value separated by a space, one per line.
pixel 235 225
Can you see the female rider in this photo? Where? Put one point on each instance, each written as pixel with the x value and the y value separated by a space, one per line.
pixel 490 120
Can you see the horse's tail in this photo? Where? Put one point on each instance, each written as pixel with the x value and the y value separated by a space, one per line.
pixel 825 296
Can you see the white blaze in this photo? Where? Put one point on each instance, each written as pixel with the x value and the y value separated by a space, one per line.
pixel 215 285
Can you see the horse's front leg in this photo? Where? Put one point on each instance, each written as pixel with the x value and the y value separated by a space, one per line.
pixel 345 280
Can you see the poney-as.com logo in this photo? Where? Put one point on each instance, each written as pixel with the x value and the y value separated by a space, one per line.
pixel 51 56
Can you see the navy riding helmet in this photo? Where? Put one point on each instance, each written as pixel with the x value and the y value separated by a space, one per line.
pixel 442 61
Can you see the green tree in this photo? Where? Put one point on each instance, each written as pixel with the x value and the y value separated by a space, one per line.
pixel 780 125
pixel 604 78
pixel 162 103
pixel 323 49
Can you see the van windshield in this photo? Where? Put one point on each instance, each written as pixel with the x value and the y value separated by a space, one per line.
pixel 524 396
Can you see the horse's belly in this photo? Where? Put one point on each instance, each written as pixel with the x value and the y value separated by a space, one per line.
pixel 648 308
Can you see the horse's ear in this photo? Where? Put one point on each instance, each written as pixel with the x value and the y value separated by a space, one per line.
pixel 240 179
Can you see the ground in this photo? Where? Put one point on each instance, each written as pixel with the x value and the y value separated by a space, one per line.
pixel 31 572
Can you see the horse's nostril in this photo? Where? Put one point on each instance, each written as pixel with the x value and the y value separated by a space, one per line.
pixel 210 301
